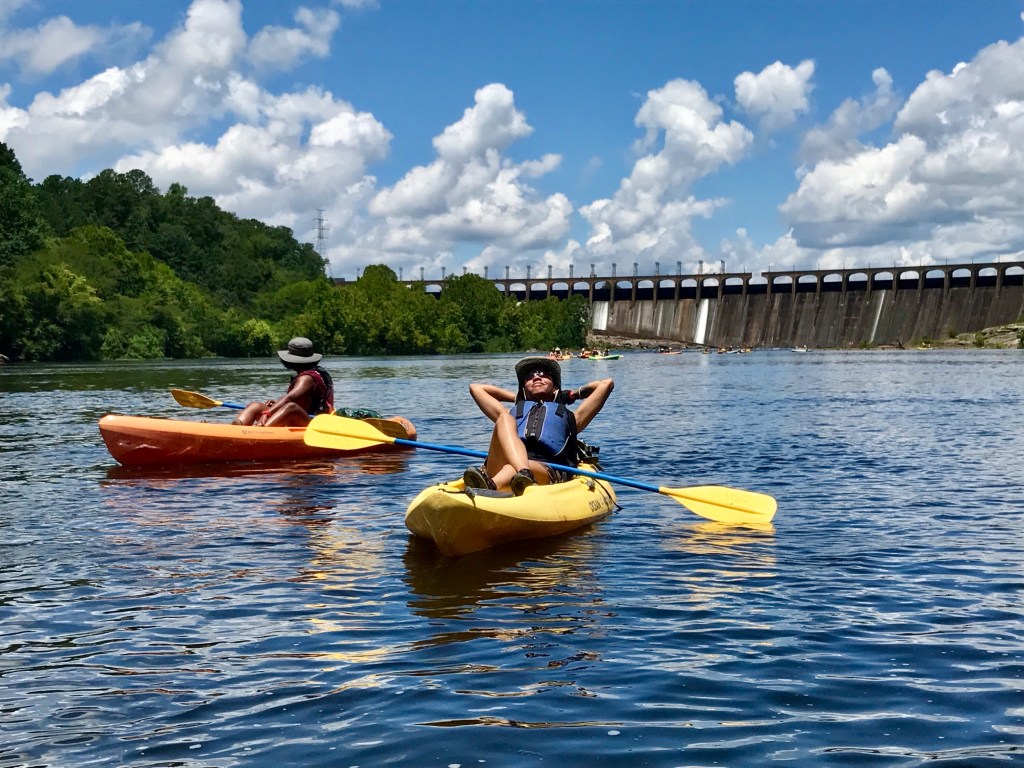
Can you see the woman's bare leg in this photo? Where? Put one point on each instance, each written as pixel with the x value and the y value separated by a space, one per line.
pixel 507 454
pixel 250 414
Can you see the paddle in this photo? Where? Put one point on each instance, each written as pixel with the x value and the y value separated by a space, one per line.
pixel 715 502
pixel 196 400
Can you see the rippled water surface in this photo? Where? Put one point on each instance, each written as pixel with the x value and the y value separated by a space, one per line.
pixel 282 615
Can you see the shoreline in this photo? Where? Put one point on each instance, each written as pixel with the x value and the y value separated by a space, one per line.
pixel 1005 336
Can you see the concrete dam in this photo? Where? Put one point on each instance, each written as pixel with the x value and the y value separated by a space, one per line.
pixel 855 310
pixel 818 308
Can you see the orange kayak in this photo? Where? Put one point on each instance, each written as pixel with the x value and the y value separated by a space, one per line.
pixel 136 440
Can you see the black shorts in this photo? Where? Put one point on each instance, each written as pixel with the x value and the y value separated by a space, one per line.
pixel 554 475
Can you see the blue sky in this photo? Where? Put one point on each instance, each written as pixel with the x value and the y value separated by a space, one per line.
pixel 462 135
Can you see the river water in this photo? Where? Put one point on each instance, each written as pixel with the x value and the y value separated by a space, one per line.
pixel 254 615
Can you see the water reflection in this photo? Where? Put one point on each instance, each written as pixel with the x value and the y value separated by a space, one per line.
pixel 325 501
pixel 346 547
pixel 512 593
pixel 706 577
pixel 711 538
pixel 446 588
pixel 384 463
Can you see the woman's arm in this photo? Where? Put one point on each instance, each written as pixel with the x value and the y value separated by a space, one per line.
pixel 301 394
pixel 596 394
pixel 490 398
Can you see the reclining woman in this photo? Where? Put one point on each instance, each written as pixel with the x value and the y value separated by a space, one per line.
pixel 537 429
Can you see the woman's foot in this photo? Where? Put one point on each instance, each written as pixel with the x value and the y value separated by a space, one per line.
pixel 476 477
pixel 522 480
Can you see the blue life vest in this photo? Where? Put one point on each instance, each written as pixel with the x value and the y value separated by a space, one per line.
pixel 548 430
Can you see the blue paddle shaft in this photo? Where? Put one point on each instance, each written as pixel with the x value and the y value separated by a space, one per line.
pixel 563 467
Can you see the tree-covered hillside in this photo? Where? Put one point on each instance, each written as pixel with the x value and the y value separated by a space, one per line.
pixel 111 268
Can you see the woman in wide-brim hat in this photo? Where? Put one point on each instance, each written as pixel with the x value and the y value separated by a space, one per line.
pixel 534 429
pixel 310 392
pixel 529 364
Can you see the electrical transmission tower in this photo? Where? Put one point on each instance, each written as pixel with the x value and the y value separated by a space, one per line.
pixel 321 236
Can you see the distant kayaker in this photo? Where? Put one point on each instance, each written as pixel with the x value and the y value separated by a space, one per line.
pixel 538 428
pixel 310 392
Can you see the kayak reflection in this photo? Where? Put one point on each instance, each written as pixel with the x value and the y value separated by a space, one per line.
pixel 523 576
pixel 371 464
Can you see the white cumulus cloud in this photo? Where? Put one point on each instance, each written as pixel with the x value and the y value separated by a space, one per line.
pixel 283 47
pixel 471 193
pixel 57 41
pixel 947 185
pixel 181 85
pixel 685 139
pixel 840 136
pixel 777 94
pixel 267 169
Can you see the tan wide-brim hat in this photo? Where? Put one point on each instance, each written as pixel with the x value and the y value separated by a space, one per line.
pixel 300 350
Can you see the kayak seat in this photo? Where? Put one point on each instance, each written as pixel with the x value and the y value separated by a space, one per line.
pixel 488 493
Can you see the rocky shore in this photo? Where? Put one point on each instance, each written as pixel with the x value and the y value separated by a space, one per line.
pixel 997 337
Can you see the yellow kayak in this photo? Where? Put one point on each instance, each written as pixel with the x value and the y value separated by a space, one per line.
pixel 460 520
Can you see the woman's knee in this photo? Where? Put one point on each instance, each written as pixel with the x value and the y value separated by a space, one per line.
pixel 505 421
pixel 291 415
pixel 248 415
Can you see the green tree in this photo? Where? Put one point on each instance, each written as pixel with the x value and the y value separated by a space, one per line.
pixel 447 336
pixel 321 321
pixel 124 202
pixel 478 304
pixel 21 225
pixel 64 204
pixel 257 338
pixel 13 313
pixel 66 319
pixel 555 323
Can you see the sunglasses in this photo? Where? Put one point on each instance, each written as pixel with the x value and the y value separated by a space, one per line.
pixel 537 375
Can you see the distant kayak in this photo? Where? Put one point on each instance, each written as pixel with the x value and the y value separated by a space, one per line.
pixel 134 440
pixel 603 357
pixel 460 521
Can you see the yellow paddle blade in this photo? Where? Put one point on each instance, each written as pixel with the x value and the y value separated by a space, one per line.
pixel 725 505
pixel 342 434
pixel 194 399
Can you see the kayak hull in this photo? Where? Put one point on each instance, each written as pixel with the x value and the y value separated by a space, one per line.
pixel 461 521
pixel 138 440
